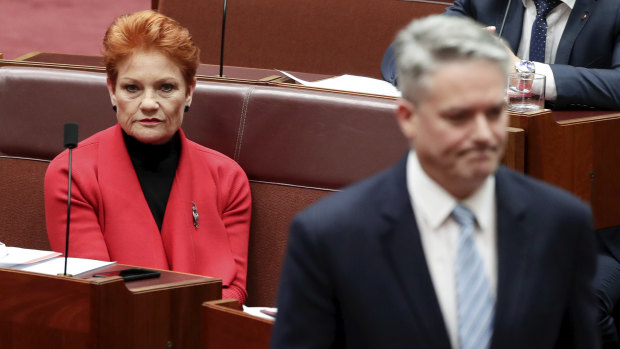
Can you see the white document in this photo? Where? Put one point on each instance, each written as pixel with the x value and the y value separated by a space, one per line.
pixel 14 255
pixel 352 83
pixel 55 266
pixel 258 311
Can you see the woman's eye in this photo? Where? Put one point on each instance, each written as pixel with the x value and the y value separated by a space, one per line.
pixel 131 88
pixel 167 87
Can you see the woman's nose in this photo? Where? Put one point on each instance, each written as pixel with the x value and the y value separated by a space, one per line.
pixel 149 101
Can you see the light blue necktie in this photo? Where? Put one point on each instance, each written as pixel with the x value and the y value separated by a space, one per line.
pixel 475 306
pixel 538 40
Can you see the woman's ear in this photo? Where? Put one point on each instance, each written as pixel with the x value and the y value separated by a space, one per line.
pixel 111 89
pixel 190 92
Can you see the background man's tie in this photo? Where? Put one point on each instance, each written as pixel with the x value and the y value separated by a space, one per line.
pixel 475 306
pixel 539 29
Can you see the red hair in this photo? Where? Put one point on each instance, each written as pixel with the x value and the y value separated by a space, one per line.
pixel 149 30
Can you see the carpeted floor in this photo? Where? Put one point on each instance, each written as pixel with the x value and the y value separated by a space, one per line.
pixel 62 26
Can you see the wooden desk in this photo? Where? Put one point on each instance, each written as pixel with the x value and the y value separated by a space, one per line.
pixel 578 151
pixel 227 326
pixel 43 311
pixel 203 69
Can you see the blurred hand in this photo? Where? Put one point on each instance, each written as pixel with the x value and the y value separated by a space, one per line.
pixel 514 58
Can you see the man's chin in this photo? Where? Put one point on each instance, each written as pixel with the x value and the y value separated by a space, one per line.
pixel 480 169
pixel 485 169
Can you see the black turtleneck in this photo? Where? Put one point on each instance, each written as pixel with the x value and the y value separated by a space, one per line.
pixel 155 165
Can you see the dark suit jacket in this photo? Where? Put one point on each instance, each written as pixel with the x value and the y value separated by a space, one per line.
pixel 355 275
pixel 587 65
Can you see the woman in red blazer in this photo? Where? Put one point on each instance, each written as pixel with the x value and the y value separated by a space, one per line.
pixel 142 193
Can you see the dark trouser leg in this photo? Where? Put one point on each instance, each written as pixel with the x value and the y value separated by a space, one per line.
pixel 607 288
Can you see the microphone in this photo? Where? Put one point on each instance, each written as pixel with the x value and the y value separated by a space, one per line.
pixel 222 42
pixel 70 141
pixel 501 29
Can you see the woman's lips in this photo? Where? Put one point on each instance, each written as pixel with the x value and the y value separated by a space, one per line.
pixel 150 121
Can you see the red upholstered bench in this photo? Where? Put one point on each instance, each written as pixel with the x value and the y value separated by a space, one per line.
pixel 295 144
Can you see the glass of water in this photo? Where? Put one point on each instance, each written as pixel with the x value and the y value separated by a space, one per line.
pixel 525 92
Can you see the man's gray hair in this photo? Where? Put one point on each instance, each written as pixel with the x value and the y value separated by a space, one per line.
pixel 427 43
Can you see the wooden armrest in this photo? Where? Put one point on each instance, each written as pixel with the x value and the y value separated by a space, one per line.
pixel 226 303
pixel 223 326
pixel 514 155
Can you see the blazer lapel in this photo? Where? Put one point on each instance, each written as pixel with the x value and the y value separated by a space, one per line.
pixel 579 15
pixel 117 172
pixel 128 216
pixel 403 249
pixel 513 237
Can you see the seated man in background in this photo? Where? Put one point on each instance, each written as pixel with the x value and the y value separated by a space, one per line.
pixel 446 249
pixel 574 43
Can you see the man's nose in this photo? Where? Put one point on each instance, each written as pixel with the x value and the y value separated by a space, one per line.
pixel 482 130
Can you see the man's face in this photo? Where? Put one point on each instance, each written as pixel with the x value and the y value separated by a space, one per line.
pixel 458 128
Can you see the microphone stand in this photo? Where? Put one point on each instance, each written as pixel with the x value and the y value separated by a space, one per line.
pixel 222 43
pixel 501 29
pixel 70 142
pixel 68 214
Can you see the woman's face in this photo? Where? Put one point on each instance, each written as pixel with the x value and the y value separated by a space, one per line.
pixel 150 94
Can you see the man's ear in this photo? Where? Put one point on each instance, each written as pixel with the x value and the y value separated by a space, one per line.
pixel 405 115
pixel 111 89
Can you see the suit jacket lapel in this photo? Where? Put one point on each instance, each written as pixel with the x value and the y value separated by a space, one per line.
pixel 403 249
pixel 513 26
pixel 513 238
pixel 577 19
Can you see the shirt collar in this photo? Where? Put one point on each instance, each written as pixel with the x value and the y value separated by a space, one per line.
pixel 437 204
pixel 569 3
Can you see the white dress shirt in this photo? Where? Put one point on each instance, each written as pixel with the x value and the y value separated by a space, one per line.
pixel 556 22
pixel 439 232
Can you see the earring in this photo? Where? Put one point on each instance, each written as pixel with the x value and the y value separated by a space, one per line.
pixel 114 107
pixel 186 108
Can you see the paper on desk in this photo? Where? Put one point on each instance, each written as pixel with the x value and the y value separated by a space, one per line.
pixel 352 83
pixel 17 255
pixel 54 266
pixel 256 311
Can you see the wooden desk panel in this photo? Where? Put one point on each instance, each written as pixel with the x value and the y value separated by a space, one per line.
pixel 605 194
pixel 225 325
pixel 580 153
pixel 203 69
pixel 317 36
pixel 43 311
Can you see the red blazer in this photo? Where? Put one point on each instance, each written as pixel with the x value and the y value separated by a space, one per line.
pixel 110 219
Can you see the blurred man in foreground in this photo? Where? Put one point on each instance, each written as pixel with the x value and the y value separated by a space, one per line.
pixel 445 249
